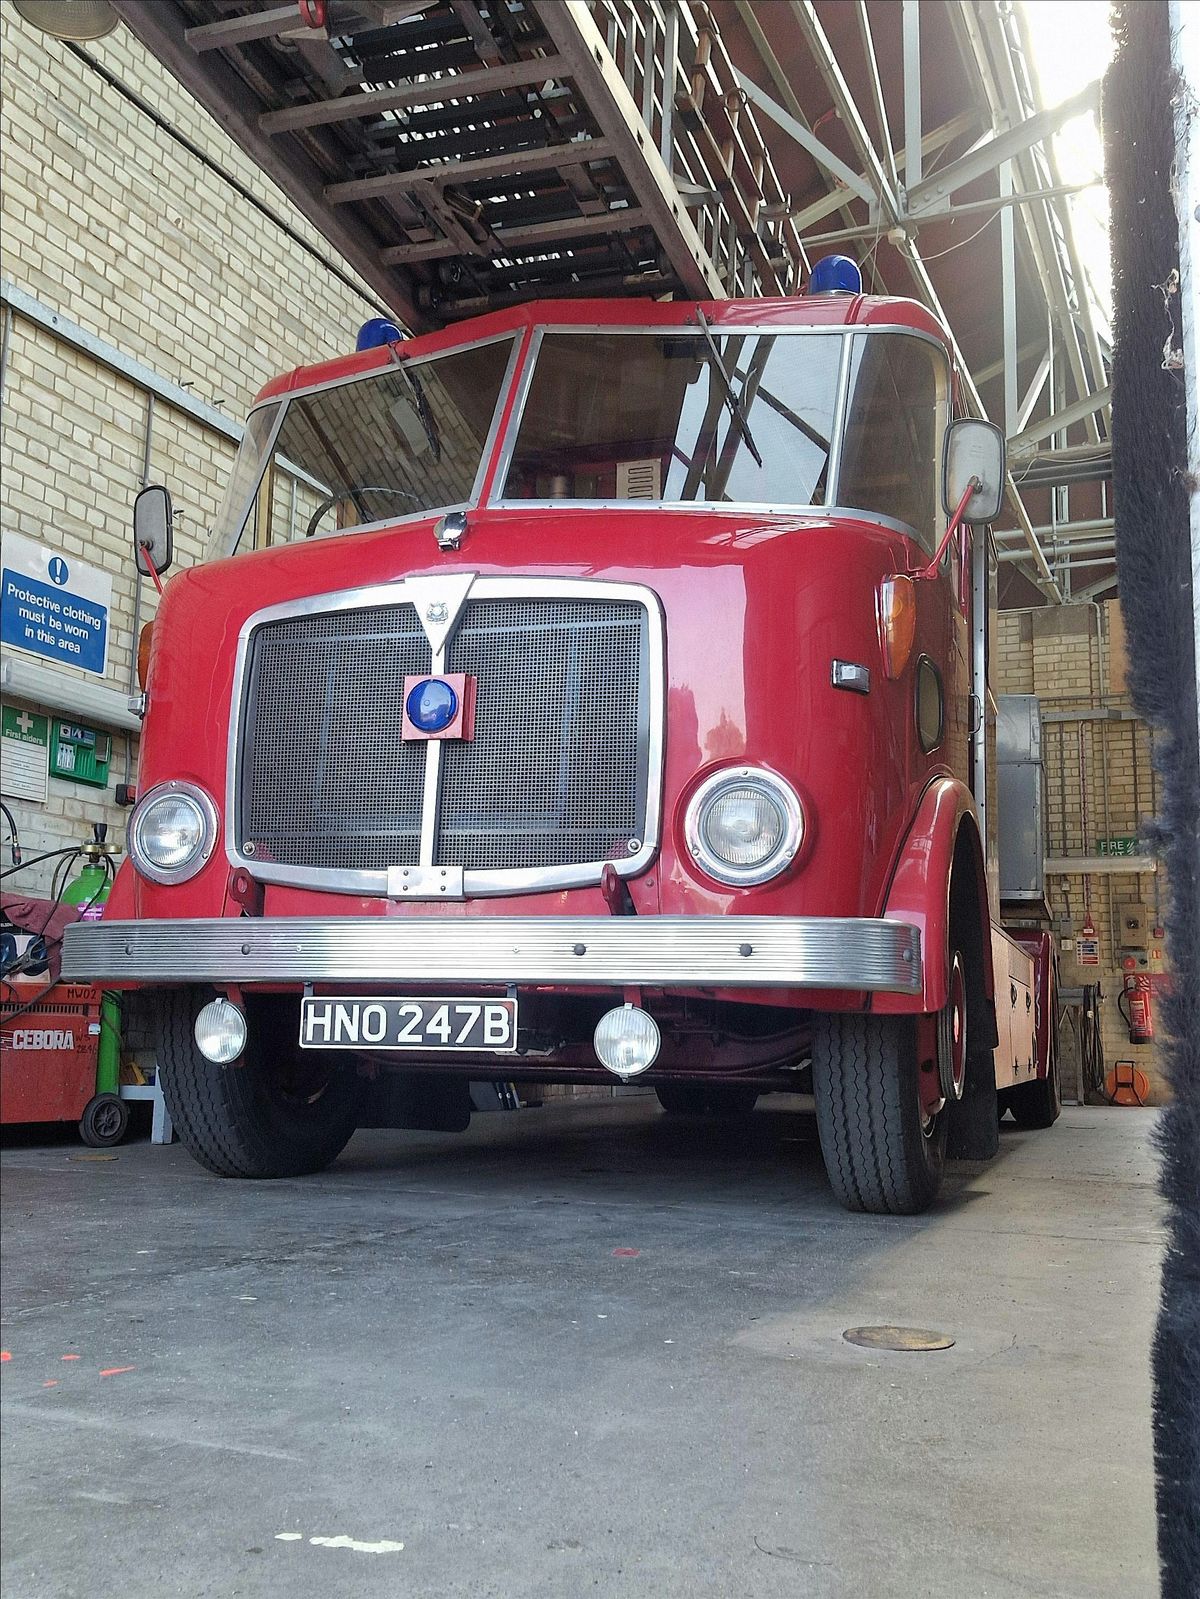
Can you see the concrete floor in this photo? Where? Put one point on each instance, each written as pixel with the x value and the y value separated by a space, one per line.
pixel 579 1350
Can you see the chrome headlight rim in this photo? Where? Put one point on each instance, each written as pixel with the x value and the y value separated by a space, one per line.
pixel 204 803
pixel 779 791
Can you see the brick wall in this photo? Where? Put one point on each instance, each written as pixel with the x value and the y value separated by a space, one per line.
pixel 107 220
pixel 1100 782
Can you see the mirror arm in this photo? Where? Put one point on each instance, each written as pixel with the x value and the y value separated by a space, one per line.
pixel 153 570
pixel 952 528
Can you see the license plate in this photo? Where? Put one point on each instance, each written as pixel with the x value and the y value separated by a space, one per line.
pixel 421 1025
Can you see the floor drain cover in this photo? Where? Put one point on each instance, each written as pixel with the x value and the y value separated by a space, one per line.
pixel 910 1338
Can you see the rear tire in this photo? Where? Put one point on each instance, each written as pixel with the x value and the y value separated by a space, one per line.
pixel 881 1153
pixel 277 1112
pixel 1037 1104
pixel 700 1099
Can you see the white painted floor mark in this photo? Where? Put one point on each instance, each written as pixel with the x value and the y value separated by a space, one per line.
pixel 289 1537
pixel 385 1546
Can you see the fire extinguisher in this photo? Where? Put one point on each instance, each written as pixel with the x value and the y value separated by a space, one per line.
pixel 1138 1007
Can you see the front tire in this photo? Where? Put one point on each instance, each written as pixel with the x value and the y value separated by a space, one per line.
pixel 277 1112
pixel 882 1153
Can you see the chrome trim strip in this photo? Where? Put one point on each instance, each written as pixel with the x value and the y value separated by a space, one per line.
pixel 833 477
pixel 795 952
pixel 431 797
pixel 477 884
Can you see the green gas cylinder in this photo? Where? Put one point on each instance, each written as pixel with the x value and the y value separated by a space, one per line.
pixel 90 890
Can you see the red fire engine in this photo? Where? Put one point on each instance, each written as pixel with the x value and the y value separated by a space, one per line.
pixel 591 689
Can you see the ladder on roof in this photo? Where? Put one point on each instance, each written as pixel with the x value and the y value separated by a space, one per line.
pixel 466 155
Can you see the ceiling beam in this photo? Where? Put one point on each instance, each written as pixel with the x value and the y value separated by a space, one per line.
pixel 838 200
pixel 256 25
pixel 823 156
pixel 511 164
pixel 406 97
pixel 867 39
pixel 576 37
pixel 525 238
pixel 1061 419
pixel 219 89
pixel 814 35
pixel 827 64
pixel 936 191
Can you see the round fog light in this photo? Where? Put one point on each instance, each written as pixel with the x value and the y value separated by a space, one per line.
pixel 627 1041
pixel 220 1032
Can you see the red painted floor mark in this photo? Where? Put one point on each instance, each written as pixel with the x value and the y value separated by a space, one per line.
pixel 5 1354
pixel 53 1383
pixel 116 1371
pixel 72 1357
pixel 626 1254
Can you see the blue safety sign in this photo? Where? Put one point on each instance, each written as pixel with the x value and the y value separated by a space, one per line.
pixel 53 607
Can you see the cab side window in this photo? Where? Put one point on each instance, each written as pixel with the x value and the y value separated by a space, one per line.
pixel 895 420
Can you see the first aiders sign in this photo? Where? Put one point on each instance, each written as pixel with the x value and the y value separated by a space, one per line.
pixel 54 605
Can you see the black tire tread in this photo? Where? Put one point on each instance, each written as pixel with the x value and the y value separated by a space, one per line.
pixel 219 1117
pixel 1037 1105
pixel 864 1083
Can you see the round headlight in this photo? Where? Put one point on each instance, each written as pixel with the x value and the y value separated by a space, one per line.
pixel 744 826
pixel 172 832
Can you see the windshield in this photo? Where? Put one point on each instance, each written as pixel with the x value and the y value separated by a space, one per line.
pixel 689 415
pixel 405 440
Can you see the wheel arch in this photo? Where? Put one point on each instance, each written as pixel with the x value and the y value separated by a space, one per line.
pixel 940 884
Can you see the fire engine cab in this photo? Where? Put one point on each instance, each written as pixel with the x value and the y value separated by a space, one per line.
pixel 591 690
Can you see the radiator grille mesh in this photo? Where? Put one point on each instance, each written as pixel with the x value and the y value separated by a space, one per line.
pixel 328 781
pixel 553 774
pixel 556 774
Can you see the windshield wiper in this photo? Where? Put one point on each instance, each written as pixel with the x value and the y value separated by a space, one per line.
pixel 420 406
pixel 732 399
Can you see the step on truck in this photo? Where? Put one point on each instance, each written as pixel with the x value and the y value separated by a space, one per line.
pixel 588 692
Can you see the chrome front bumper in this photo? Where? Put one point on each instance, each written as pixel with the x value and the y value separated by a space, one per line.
pixel 660 951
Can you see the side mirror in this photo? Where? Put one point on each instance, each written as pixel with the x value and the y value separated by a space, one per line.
pixel 153 547
pixel 973 449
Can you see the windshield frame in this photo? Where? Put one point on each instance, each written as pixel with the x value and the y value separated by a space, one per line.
pixel 228 542
pixel 831 506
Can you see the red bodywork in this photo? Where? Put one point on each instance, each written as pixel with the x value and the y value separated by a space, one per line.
pixel 756 607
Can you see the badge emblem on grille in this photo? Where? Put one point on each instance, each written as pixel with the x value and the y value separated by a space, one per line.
pixel 437 612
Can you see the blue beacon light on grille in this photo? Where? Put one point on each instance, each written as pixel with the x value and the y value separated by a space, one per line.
pixel 431 705
pixel 835 274
pixel 376 332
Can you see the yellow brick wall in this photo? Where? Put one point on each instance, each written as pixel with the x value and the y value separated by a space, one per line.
pixel 1070 657
pixel 107 220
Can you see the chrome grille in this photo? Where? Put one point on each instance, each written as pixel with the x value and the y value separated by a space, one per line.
pixel 327 780
pixel 556 773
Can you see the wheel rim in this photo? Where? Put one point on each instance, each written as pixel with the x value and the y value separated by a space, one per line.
pixel 106 1121
pixel 944 1081
pixel 956 1028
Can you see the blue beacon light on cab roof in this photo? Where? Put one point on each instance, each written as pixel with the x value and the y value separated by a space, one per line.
pixel 835 274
